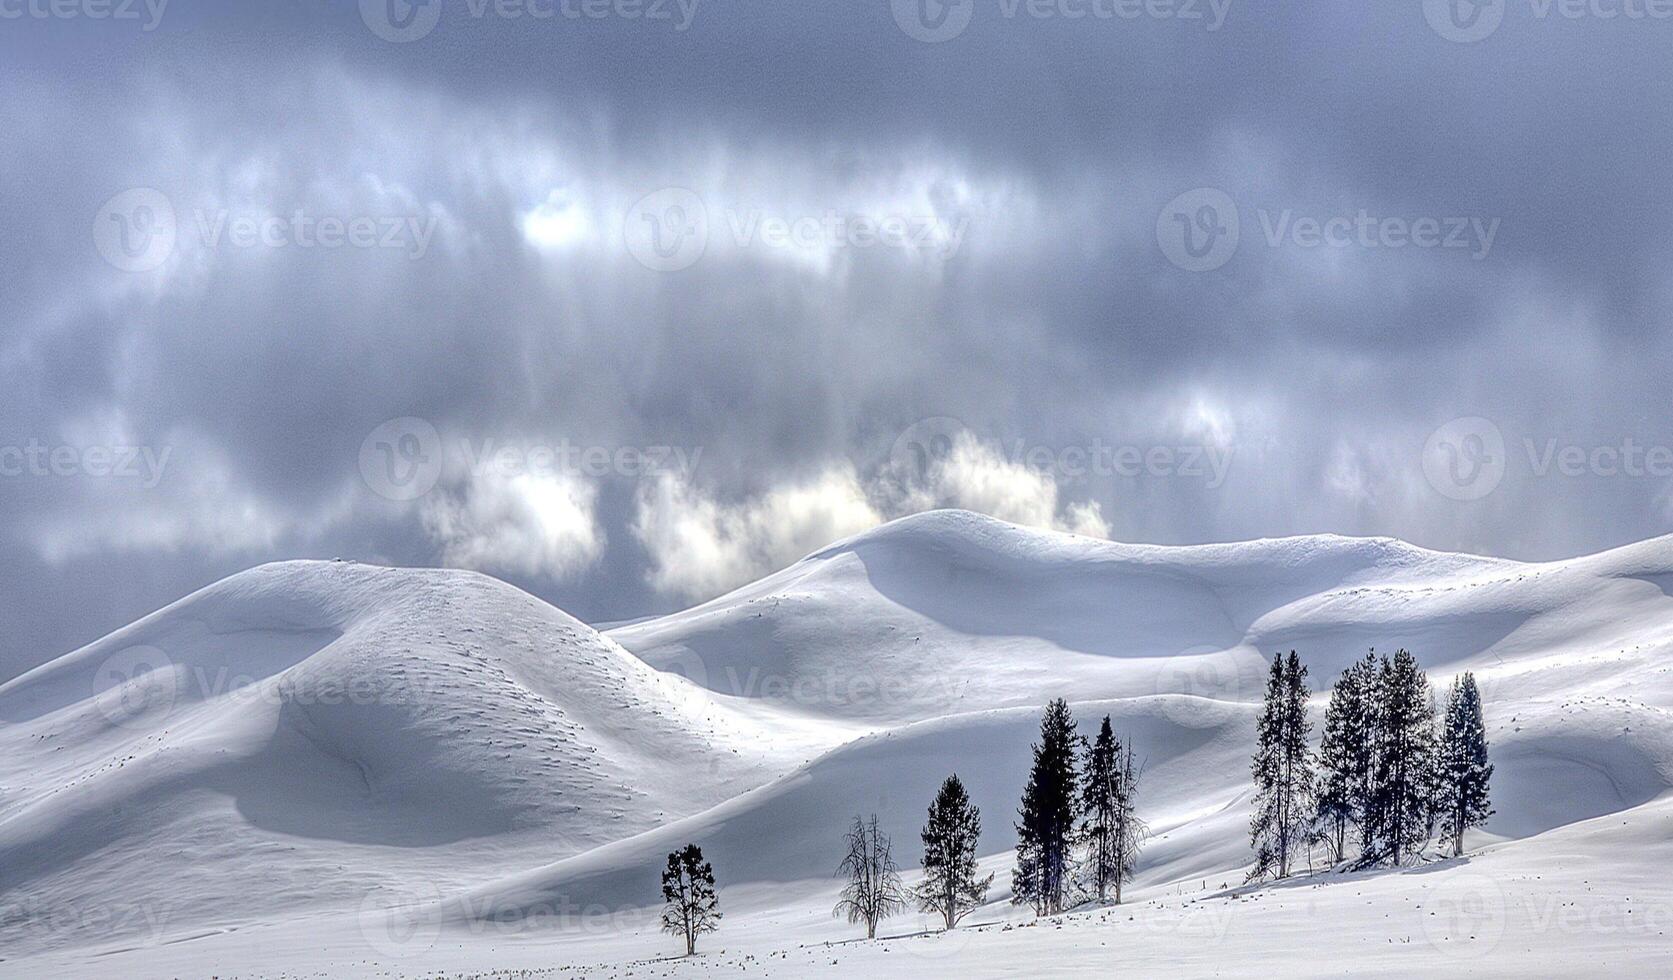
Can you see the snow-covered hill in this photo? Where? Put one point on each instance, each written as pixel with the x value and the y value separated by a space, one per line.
pixel 511 779
pixel 292 737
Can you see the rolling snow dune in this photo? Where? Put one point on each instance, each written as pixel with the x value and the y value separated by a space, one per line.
pixel 288 736
pixel 505 760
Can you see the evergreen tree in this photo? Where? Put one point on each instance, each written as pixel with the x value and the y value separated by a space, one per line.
pixel 1347 755
pixel 1463 769
pixel 874 891
pixel 1047 815
pixel 1109 828
pixel 1100 790
pixel 1401 811
pixel 691 904
pixel 1282 769
pixel 950 887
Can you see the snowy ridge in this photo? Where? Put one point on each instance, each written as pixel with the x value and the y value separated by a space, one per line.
pixel 546 765
pixel 344 721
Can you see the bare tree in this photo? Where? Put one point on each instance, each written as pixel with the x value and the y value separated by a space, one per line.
pixel 692 907
pixel 874 891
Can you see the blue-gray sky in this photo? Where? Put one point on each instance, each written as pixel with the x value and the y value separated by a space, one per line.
pixel 1425 294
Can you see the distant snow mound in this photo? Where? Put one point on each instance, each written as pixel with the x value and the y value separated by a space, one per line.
pixel 953 611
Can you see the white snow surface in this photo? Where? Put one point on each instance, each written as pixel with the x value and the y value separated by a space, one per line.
pixel 343 769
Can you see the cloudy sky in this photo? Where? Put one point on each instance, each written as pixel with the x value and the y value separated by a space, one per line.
pixel 630 301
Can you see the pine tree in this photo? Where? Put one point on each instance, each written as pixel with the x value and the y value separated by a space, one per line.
pixel 1047 815
pixel 874 891
pixel 1282 769
pixel 1401 811
pixel 1347 754
pixel 1463 769
pixel 950 887
pixel 691 904
pixel 1100 789
pixel 1108 826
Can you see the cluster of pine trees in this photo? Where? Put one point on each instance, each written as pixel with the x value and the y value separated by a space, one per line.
pixel 1077 833
pixel 1385 779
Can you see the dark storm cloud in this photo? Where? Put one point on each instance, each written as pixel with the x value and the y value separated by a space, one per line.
pixel 501 159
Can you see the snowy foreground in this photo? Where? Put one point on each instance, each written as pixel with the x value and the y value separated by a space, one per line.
pixel 326 768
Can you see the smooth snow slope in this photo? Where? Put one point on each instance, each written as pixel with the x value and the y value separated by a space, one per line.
pixel 295 735
pixel 851 682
